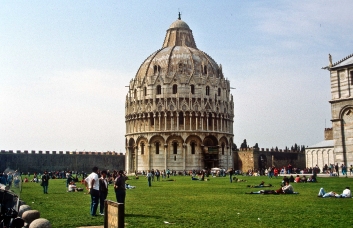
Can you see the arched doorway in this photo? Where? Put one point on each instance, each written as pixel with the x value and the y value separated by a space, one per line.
pixel 210 152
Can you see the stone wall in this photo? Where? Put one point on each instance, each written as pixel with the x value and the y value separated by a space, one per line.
pixel 55 161
pixel 252 159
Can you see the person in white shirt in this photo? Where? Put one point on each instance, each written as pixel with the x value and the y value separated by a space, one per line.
pixel 346 193
pixel 92 184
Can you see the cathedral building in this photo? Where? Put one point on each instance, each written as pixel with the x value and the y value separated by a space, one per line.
pixel 338 146
pixel 179 111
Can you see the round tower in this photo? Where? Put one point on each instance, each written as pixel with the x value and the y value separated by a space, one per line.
pixel 179 111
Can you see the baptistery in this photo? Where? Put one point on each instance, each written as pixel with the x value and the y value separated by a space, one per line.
pixel 179 111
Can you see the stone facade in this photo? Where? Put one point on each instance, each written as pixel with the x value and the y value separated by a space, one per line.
pixel 39 161
pixel 179 111
pixel 261 159
pixel 341 74
pixel 339 145
pixel 322 153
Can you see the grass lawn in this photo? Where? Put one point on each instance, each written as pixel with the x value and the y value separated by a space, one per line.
pixel 214 203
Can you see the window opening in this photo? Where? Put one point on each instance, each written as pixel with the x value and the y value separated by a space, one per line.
pixel 159 89
pixel 192 89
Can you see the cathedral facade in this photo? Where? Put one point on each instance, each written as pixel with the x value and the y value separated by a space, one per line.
pixel 341 74
pixel 338 146
pixel 179 111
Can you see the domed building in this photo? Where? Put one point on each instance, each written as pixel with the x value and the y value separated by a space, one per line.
pixel 179 111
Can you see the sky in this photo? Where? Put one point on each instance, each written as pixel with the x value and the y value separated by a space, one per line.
pixel 64 66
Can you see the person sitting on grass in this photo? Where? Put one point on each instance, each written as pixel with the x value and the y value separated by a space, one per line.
pixel 72 187
pixel 297 179
pixel 345 194
pixel 287 189
pixel 312 178
pixel 303 179
pixel 261 185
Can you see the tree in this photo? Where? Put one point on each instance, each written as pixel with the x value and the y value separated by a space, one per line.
pixel 244 144
pixel 256 146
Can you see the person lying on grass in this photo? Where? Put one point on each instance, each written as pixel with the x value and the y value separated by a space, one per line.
pixel 345 194
pixel 238 180
pixel 261 185
pixel 287 189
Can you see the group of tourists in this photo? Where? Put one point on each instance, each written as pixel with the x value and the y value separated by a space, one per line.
pixel 98 189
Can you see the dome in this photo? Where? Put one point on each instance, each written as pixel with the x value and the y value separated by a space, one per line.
pixel 179 24
pixel 179 55
pixel 181 60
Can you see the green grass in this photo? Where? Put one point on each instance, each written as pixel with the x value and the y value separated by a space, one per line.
pixel 214 203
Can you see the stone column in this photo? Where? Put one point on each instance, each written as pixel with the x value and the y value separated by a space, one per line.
pixel 190 116
pixel 136 158
pixel 159 121
pixel 177 121
pixel 207 121
pixel 144 121
pixel 149 156
pixel 171 121
pixel 165 156
pixel 213 117
pixel 221 117
pixel 184 120
pixel 184 156
pixel 127 160
pixel 165 121
pixel 201 121
pixel 196 126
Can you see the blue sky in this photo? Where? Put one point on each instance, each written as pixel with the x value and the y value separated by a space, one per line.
pixel 64 66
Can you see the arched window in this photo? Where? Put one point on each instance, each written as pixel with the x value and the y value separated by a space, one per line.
pixel 192 89
pixel 193 144
pixel 175 89
pixel 157 147
pixel 156 69
pixel 219 91
pixel 175 148
pixel 222 148
pixel 159 89
pixel 145 91
pixel 209 119
pixel 204 69
pixel 135 93
pixel 142 148
pixel 151 119
pixel 207 90
pixel 181 118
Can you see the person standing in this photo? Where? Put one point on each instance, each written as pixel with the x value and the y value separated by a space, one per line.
pixel 337 169
pixel 45 182
pixel 149 177
pixel 92 184
pixel 119 187
pixel 231 175
pixel 103 191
